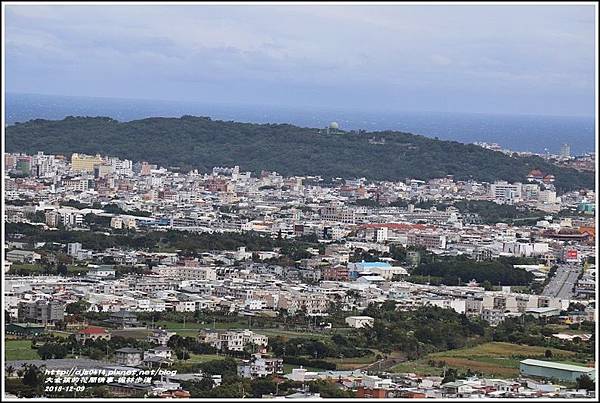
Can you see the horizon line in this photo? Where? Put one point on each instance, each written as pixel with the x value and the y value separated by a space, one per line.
pixel 302 107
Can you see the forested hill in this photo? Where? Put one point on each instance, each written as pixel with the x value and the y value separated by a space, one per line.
pixel 199 142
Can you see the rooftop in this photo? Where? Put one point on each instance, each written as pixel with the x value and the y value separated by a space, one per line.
pixel 93 330
pixel 557 365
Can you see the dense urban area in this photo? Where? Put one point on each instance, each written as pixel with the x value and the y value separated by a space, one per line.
pixel 163 282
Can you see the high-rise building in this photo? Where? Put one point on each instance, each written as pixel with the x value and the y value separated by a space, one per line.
pixel 85 163
pixel 565 151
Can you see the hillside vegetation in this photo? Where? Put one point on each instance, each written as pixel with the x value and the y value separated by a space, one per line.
pixel 202 143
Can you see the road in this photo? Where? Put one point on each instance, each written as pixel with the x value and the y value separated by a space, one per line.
pixel 561 285
pixel 385 363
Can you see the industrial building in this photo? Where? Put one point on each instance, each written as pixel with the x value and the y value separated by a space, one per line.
pixel 555 370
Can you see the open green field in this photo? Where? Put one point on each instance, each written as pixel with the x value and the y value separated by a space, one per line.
pixel 19 350
pixel 36 268
pixel 32 268
pixel 133 333
pixel 193 325
pixel 353 362
pixel 196 358
pixel 291 333
pixel 493 359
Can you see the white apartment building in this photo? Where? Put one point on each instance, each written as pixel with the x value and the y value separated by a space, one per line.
pixel 234 340
pixel 186 273
pixel 504 192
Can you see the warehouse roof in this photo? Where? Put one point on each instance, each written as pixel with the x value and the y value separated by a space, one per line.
pixel 557 365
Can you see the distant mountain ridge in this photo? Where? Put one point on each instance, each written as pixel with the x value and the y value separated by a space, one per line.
pixel 202 143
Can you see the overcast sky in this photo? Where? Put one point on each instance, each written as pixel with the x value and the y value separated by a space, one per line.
pixel 502 59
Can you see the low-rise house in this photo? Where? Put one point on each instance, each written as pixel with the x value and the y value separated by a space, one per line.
pixel 260 367
pixel 160 337
pixel 101 272
pixel 233 340
pixel 359 321
pixel 130 357
pixel 92 333
pixel 158 357
pixel 160 351
pixel 22 256
pixel 123 320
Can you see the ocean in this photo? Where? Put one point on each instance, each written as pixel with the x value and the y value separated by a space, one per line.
pixel 516 132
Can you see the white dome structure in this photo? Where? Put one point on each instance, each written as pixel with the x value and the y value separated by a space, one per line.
pixel 334 125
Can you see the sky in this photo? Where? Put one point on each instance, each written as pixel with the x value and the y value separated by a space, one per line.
pixel 511 59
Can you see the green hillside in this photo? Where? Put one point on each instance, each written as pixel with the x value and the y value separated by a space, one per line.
pixel 199 142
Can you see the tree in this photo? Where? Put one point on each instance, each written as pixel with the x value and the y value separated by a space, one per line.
pixel 585 382
pixel 548 354
pixel 62 269
pixel 52 350
pixel 183 355
pixel 260 387
pixel 78 308
pixel 449 375
pixel 33 377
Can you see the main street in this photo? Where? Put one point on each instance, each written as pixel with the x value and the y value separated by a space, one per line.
pixel 561 285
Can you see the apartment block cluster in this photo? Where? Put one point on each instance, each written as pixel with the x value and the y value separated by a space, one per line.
pixel 345 218
pixel 55 191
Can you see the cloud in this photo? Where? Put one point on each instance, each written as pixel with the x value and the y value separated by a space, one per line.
pixel 441 60
pixel 319 49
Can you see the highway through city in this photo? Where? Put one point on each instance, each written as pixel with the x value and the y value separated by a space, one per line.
pixel 562 284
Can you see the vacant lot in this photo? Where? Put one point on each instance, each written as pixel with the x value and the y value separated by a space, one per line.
pixel 494 359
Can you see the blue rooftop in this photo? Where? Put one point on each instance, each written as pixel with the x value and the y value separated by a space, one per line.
pixel 375 264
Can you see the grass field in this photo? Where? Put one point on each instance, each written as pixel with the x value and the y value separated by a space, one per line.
pixel 196 358
pixel 134 333
pixel 494 359
pixel 193 325
pixel 291 333
pixel 19 350
pixel 354 362
pixel 37 268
